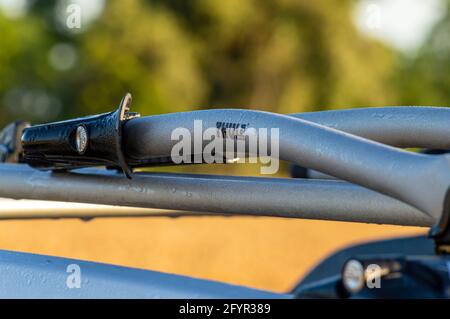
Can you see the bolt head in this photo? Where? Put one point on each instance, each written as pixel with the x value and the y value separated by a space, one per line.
pixel 353 276
pixel 81 139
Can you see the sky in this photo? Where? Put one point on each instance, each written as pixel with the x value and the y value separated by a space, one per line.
pixel 402 24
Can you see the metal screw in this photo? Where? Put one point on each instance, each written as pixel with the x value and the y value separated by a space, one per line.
pixel 353 276
pixel 81 139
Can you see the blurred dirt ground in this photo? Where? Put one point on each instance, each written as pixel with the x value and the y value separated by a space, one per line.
pixel 262 252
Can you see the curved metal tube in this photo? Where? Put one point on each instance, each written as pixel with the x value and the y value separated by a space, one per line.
pixel 417 179
pixel 402 126
pixel 295 198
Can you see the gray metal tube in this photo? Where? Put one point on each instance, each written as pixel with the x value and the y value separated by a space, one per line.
pixel 296 198
pixel 419 180
pixel 401 126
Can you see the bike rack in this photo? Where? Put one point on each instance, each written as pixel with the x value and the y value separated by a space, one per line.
pixel 419 180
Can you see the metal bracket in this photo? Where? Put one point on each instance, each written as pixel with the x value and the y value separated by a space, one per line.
pixel 83 142
pixel 440 233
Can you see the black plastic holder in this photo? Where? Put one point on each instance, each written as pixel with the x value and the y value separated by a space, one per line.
pixel 82 142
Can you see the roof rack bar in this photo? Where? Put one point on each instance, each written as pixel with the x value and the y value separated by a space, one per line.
pixel 258 196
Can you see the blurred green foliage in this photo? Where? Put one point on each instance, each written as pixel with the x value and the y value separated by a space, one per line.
pixel 174 55
pixel 425 79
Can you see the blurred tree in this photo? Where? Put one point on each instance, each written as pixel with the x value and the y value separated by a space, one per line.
pixel 23 66
pixel 425 79
pixel 284 56
pixel 140 49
